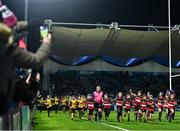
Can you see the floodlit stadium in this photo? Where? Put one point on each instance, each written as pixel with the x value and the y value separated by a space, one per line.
pixel 89 65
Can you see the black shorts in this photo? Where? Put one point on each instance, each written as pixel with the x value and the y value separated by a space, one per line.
pixel 73 110
pixel 136 108
pixel 80 109
pixel 90 111
pixel 127 109
pixel 97 105
pixel 151 112
pixel 67 107
pixel 107 111
pixel 144 111
pixel 119 109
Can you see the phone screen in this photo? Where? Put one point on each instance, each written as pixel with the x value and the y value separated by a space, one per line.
pixel 44 31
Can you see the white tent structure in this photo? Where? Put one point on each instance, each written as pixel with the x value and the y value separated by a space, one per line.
pixel 71 43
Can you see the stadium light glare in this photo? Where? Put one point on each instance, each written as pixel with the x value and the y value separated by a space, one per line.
pixel 178 64
pixel 130 61
pixel 81 59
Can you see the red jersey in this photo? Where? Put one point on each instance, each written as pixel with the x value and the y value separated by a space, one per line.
pixel 119 102
pixel 137 101
pixel 128 104
pixel 90 104
pixel 150 104
pixel 172 104
pixel 143 105
pixel 160 102
pixel 107 104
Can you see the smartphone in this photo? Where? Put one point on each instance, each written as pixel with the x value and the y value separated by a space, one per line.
pixel 44 31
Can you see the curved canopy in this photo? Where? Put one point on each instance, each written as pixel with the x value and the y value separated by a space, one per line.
pixel 74 46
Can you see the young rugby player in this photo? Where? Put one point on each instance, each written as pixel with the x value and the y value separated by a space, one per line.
pixel 119 106
pixel 90 106
pixel 73 107
pixel 127 106
pixel 106 106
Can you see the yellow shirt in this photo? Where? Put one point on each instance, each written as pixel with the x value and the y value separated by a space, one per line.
pixel 69 102
pixel 40 102
pixel 56 101
pixel 81 103
pixel 49 102
pixel 63 102
pixel 73 104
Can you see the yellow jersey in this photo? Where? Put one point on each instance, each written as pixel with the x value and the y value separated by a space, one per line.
pixel 56 101
pixel 81 103
pixel 40 101
pixel 73 104
pixel 63 102
pixel 49 102
pixel 69 102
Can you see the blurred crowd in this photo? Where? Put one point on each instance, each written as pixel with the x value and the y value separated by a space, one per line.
pixel 63 83
pixel 74 83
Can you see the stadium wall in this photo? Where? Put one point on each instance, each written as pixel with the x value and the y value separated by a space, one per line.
pixel 16 119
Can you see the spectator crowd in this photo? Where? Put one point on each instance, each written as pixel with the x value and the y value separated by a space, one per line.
pixel 74 83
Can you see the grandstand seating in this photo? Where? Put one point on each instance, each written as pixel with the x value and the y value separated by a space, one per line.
pixel 74 83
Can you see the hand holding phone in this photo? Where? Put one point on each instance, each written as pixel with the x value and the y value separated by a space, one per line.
pixel 48 39
pixel 44 31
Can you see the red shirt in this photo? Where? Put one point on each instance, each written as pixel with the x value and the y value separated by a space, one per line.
pixel 171 104
pixel 119 102
pixel 90 105
pixel 128 104
pixel 150 104
pixel 137 101
pixel 160 102
pixel 107 104
pixel 143 105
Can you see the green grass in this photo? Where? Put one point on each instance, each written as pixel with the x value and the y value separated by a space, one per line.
pixel 62 121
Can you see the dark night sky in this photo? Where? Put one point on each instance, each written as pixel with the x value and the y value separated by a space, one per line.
pixel 141 12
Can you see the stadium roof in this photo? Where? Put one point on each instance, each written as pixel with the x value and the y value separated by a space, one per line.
pixel 70 44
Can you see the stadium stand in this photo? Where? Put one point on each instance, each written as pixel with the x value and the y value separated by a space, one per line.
pixel 74 83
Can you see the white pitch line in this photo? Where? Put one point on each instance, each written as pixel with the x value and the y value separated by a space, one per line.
pixel 115 127
pixel 119 128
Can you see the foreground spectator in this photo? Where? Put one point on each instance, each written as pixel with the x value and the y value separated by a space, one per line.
pixel 12 56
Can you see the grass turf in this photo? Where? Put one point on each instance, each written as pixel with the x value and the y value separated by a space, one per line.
pixel 62 121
